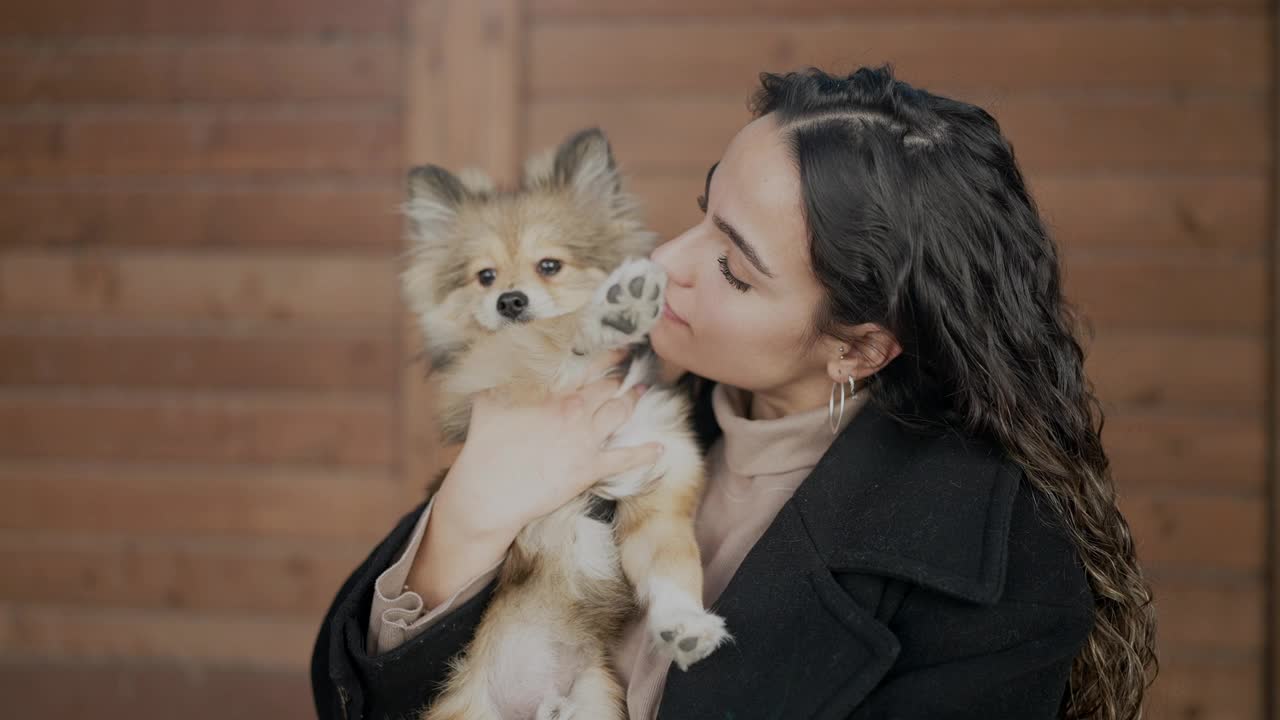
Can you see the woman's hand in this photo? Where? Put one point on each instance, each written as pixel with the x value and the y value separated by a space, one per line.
pixel 520 463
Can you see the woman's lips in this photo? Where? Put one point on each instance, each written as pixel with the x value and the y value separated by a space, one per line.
pixel 671 314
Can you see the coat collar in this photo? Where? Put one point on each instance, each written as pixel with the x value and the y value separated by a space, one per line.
pixel 931 509
pixel 806 606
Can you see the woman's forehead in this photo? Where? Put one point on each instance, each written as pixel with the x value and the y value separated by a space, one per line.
pixel 760 188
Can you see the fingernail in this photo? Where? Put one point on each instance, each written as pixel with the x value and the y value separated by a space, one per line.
pixel 661 448
pixel 641 387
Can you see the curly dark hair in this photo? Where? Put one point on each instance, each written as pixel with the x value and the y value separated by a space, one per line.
pixel 919 221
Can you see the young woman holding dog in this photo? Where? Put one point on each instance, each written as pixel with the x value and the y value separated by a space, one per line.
pixel 945 544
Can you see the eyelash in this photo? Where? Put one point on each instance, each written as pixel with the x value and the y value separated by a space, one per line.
pixel 733 280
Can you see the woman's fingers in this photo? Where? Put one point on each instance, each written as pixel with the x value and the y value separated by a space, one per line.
pixel 595 393
pixel 615 411
pixel 619 460
pixel 605 360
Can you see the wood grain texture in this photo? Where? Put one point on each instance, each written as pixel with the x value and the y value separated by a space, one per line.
pixel 1207 687
pixel 350 429
pixel 1201 533
pixel 949 55
pixel 300 217
pixel 305 70
pixel 620 10
pixel 174 571
pixel 42 633
pixel 1187 452
pixel 79 355
pixel 93 18
pixel 242 501
pixel 120 691
pixel 359 141
pixel 356 291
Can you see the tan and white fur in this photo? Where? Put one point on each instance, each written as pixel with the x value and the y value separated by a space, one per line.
pixel 516 290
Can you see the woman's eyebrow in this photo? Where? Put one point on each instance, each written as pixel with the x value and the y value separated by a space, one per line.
pixel 747 249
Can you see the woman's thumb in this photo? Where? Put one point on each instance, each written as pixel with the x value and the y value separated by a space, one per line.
pixel 619 460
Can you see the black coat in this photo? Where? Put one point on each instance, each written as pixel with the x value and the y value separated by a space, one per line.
pixel 910 576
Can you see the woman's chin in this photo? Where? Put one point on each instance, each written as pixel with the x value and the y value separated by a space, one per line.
pixel 670 355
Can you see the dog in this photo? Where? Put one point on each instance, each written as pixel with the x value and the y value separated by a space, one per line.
pixel 516 290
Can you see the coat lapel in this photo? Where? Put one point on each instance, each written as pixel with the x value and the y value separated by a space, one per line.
pixel 883 502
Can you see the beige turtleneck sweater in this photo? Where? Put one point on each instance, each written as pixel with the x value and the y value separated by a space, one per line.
pixel 752 469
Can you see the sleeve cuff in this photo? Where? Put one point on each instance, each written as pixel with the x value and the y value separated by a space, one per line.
pixel 397 614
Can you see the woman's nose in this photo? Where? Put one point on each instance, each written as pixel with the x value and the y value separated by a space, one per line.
pixel 670 256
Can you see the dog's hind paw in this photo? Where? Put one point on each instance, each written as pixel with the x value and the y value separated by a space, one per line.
pixel 626 305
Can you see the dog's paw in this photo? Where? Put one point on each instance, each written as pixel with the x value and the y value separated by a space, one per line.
pixel 627 304
pixel 556 707
pixel 687 635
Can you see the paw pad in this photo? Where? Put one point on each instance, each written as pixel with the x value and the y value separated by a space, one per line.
pixel 627 304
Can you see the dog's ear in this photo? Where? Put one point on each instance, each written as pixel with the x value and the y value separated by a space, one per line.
pixel 435 194
pixel 582 164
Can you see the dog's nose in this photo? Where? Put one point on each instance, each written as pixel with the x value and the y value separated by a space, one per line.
pixel 512 303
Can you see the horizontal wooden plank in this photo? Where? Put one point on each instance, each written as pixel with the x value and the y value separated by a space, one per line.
pixel 1070 134
pixel 165 141
pixel 1200 533
pixel 314 429
pixel 1227 214
pixel 298 218
pixel 1181 373
pixel 1238 609
pixel 1176 293
pixel 139 499
pixel 218 361
pixel 303 70
pixel 357 290
pixel 947 55
pixel 172 573
pixel 1208 688
pixel 542 10
pixel 69 633
pixel 1160 452
pixel 147 691
pixel 167 17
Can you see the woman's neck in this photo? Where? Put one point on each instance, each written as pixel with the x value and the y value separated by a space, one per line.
pixel 796 397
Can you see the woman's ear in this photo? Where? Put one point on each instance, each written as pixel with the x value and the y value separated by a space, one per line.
pixel 869 349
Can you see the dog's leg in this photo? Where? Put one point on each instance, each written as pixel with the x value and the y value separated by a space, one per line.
pixel 660 557
pixel 467 696
pixel 625 306
pixel 596 693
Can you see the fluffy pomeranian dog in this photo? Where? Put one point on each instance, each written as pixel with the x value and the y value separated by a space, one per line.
pixel 516 290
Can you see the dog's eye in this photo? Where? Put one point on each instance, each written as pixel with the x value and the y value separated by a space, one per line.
pixel 486 276
pixel 549 266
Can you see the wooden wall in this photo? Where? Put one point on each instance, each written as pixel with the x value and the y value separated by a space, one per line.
pixel 208 409
pixel 199 344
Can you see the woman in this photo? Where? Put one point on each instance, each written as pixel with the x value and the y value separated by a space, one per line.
pixel 946 544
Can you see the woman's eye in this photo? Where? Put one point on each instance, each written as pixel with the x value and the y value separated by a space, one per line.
pixel 702 203
pixel 486 277
pixel 728 275
pixel 549 266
